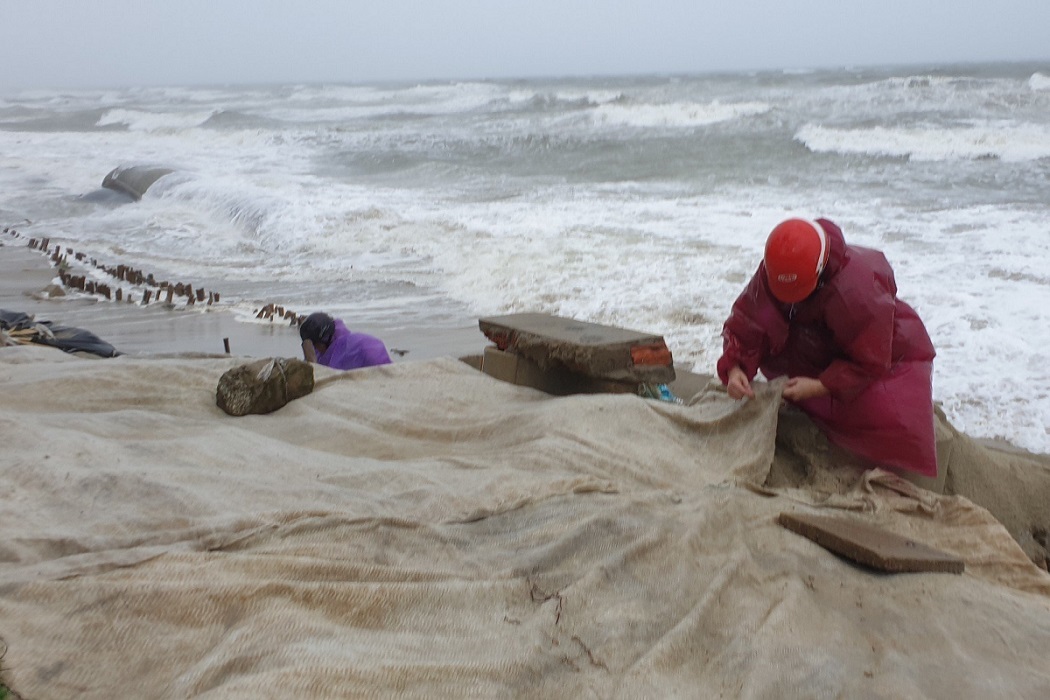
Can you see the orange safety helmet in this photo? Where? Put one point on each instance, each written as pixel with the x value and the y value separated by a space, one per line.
pixel 796 252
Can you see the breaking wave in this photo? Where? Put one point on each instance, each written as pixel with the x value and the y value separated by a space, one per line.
pixel 137 120
pixel 925 142
pixel 674 115
pixel 1039 82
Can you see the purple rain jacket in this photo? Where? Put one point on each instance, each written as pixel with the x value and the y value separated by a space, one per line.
pixel 350 350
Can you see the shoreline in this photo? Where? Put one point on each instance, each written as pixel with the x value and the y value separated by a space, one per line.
pixel 158 329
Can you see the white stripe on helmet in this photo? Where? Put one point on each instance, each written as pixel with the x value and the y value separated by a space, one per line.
pixel 822 259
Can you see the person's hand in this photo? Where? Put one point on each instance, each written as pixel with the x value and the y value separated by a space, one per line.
pixel 802 388
pixel 738 385
pixel 309 351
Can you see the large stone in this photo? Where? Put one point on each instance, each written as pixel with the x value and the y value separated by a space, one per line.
pixel 589 349
pixel 263 386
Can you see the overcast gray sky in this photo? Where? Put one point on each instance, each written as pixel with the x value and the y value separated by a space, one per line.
pixel 102 43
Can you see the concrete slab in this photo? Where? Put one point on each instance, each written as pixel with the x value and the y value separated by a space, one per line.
pixel 870 545
pixel 516 369
pixel 590 349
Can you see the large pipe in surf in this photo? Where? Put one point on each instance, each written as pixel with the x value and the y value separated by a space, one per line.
pixel 134 180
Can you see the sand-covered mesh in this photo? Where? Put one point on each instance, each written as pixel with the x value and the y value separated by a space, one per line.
pixel 424 530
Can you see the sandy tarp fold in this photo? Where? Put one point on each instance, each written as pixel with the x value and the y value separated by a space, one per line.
pixel 424 530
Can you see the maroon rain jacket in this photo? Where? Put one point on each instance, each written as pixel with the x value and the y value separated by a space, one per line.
pixel 869 348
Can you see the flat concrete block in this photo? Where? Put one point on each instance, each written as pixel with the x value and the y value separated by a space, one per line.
pixel 517 369
pixel 589 349
pixel 870 545
pixel 500 365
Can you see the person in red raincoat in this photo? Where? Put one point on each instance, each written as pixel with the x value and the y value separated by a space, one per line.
pixel 859 361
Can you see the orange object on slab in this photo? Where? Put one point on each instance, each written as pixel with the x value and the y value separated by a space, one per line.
pixel 656 354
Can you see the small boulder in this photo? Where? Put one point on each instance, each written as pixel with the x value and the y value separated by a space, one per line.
pixel 263 386
pixel 51 291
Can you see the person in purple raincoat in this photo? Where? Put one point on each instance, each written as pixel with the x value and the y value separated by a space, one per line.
pixel 338 347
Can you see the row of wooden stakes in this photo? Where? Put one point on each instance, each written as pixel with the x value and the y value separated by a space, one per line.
pixel 272 311
pixel 125 273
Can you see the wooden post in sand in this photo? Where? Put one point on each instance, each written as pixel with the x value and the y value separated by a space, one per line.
pixel 226 345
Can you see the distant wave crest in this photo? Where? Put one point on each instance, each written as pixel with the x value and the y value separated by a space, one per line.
pixel 137 120
pixel 676 114
pixel 580 98
pixel 1022 142
pixel 922 82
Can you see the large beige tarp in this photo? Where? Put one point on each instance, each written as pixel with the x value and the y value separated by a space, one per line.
pixel 424 530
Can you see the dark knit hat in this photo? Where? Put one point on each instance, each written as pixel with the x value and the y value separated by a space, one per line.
pixel 318 328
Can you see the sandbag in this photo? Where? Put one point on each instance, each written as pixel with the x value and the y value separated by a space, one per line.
pixel 64 338
pixel 263 386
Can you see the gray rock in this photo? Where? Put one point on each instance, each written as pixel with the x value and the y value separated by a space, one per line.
pixel 263 386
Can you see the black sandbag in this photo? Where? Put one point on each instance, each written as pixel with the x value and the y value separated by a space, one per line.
pixel 64 338
pixel 14 320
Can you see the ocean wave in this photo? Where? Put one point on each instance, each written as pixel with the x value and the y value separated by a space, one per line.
pixel 176 94
pixel 1039 82
pixel 922 82
pixel 436 97
pixel 581 97
pixel 933 94
pixel 1008 142
pixel 231 118
pixel 675 114
pixel 17 114
pixel 419 101
pixel 231 200
pixel 138 120
pixel 422 99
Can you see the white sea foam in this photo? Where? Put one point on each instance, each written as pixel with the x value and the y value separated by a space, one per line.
pixel 594 97
pixel 976 275
pixel 175 94
pixel 336 104
pixel 923 82
pixel 315 94
pixel 928 142
pixel 1039 82
pixel 566 95
pixel 674 115
pixel 896 101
